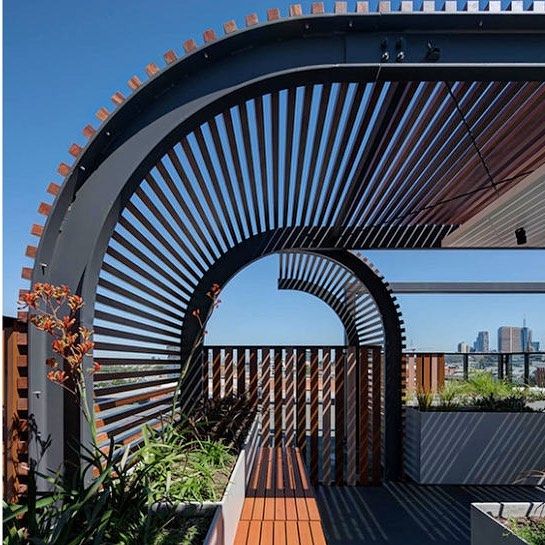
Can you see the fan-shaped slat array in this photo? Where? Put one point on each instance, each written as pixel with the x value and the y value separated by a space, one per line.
pixel 338 288
pixel 370 160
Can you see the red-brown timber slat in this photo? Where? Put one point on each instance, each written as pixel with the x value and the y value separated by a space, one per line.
pixel 339 417
pixel 364 416
pixel 258 510
pixel 279 532
pixel 278 376
pixel 410 372
pixel 216 373
pixel 243 529
pixel 15 453
pixel 419 372
pixel 253 384
pixel 206 374
pixel 426 377
pixel 241 371
pixel 265 395
pixel 300 502
pixel 229 374
pixel 269 507
pixel 440 371
pixel 289 487
pixel 327 385
pixel 301 391
pixel 306 487
pixel 290 397
pixel 351 416
pixel 314 458
pixel 280 494
pixel 377 420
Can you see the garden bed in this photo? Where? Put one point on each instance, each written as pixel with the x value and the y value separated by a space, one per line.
pixel 478 431
pixel 520 523
pixel 225 513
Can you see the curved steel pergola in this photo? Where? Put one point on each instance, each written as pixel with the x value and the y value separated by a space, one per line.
pixel 338 289
pixel 318 132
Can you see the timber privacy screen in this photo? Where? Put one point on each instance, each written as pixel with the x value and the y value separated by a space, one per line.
pixel 317 132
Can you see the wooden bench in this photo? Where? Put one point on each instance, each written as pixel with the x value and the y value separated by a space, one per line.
pixel 280 506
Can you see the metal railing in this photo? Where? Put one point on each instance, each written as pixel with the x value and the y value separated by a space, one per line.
pixel 527 368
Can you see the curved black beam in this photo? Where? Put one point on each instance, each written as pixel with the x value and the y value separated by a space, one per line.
pixel 473 47
pixel 225 268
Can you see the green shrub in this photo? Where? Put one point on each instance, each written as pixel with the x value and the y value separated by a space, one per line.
pixel 531 530
pixel 80 511
pixel 481 392
pixel 453 394
pixel 482 384
pixel 424 398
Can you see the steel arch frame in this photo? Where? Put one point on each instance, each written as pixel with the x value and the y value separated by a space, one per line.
pixel 343 47
pixel 260 246
pixel 73 236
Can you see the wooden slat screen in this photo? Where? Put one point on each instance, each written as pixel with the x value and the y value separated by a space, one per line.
pixel 424 371
pixel 326 401
pixel 15 417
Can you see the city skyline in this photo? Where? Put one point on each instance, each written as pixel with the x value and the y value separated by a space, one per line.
pixel 509 338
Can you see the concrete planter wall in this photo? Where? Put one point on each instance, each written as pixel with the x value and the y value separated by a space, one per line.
pixel 224 524
pixel 227 511
pixel 461 447
pixel 487 529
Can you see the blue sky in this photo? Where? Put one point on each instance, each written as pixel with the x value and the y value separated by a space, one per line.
pixel 63 60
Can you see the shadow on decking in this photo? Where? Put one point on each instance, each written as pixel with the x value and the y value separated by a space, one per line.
pixel 408 514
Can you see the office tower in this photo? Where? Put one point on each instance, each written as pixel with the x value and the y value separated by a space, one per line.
pixel 482 344
pixel 509 339
pixel 526 338
pixel 463 347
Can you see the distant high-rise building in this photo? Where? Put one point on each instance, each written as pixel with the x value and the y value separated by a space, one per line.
pixel 534 346
pixel 526 338
pixel 482 344
pixel 463 347
pixel 509 339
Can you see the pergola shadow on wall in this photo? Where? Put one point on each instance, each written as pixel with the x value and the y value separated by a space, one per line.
pixel 316 132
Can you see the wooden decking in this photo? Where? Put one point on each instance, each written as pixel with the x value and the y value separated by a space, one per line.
pixel 280 507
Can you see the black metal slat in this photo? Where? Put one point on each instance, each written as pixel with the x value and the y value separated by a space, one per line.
pixel 210 235
pixel 262 150
pixel 304 122
pixel 289 128
pixel 203 186
pixel 114 271
pixel 147 242
pixel 106 284
pixel 193 246
pixel 136 252
pixel 220 153
pixel 220 193
pixel 233 148
pixel 248 155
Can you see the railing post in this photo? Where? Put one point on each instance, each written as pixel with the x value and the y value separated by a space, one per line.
pixel 526 379
pixel 500 366
pixel 508 368
pixel 466 366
